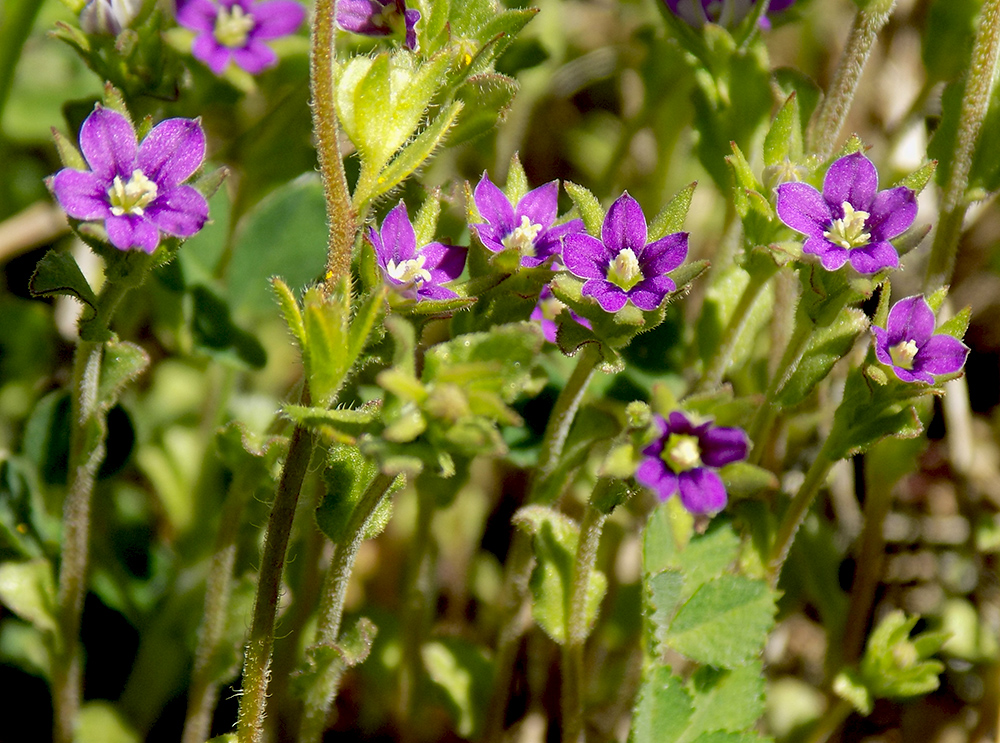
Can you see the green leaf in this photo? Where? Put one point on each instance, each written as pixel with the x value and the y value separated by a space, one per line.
pixel 347 475
pixel 784 139
pixel 725 622
pixel 290 311
pixel 365 324
pixel 122 362
pixel 664 592
pixel 342 424
pixel 588 206
pixel 827 346
pixel 326 357
pixel 729 701
pixel 849 687
pixel 25 646
pixel 486 98
pixel 895 666
pixel 58 273
pixel 462 671
pixel 28 589
pixel 671 217
pixel 101 722
pixel 663 709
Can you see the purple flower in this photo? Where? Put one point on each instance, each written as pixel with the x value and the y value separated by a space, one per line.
pixel 379 18
pixel 909 346
pixel 415 274
pixel 851 221
pixel 527 227
pixel 684 457
pixel 237 30
pixel 548 309
pixel 135 189
pixel 622 267
pixel 724 12
pixel 108 17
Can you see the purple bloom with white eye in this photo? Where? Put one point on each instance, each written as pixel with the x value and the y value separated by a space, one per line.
pixel 622 266
pixel 909 346
pixel 684 458
pixel 723 12
pixel 379 18
pixel 526 227
pixel 548 309
pixel 415 274
pixel 851 221
pixel 237 30
pixel 136 189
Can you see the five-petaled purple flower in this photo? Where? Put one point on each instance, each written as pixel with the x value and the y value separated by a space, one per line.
pixel 135 189
pixel 683 459
pixel 526 227
pixel 851 221
pixel 415 274
pixel 909 346
pixel 379 18
pixel 237 30
pixel 724 12
pixel 621 266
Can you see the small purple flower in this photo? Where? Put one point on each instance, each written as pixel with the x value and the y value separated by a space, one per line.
pixel 909 346
pixel 379 18
pixel 723 12
pixel 548 309
pixel 851 221
pixel 527 227
pixel 684 458
pixel 237 30
pixel 108 17
pixel 415 274
pixel 135 189
pixel 622 267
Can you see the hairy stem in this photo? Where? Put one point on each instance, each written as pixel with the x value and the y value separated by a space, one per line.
pixel 577 628
pixel 331 609
pixel 975 103
pixel 833 110
pixel 257 659
pixel 340 213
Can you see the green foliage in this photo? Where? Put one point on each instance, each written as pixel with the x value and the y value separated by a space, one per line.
pixel 897 666
pixel 464 675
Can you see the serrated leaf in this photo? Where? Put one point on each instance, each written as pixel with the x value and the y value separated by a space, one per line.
pixel 663 708
pixel 725 622
pixel 671 217
pixel 58 273
pixel 588 206
pixel 465 675
pixel 664 596
pixel 729 701
pixel 28 589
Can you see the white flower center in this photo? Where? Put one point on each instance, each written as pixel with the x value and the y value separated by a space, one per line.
pixel 132 197
pixel 410 271
pixel 624 270
pixel 387 18
pixel 903 353
pixel 681 452
pixel 849 232
pixel 523 237
pixel 232 26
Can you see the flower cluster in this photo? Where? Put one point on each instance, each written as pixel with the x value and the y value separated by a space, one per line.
pixel 379 18
pixel 237 29
pixel 723 12
pixel 683 459
pixel 851 221
pixel 135 189
pixel 907 343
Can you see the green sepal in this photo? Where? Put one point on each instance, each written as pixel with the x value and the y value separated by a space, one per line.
pixel 919 178
pixel 290 311
pixel 957 325
pixel 69 155
pixel 670 218
pixel 517 181
pixel 744 480
pixel 209 182
pixel 590 209
pixel 783 140
pixel 425 223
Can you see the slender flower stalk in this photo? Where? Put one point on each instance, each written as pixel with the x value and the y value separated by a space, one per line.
pixel 257 659
pixel 577 629
pixel 331 609
pixel 833 110
pixel 975 102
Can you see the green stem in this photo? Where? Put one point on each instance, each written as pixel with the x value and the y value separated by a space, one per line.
pixel 833 110
pixel 204 689
pixel 716 367
pixel 830 722
pixel 18 17
pixel 85 457
pixel 331 609
pixel 257 658
pixel 975 103
pixel 577 627
pixel 331 164
pixel 796 513
pixel 517 569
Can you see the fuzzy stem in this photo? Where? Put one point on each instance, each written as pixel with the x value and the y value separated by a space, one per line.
pixel 833 110
pixel 716 367
pixel 204 684
pixel 577 629
pixel 796 513
pixel 975 103
pixel 517 569
pixel 85 457
pixel 257 658
pixel 331 609
pixel 340 213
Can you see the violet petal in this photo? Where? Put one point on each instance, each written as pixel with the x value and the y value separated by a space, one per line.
pixel 107 141
pixel 873 257
pixel 276 18
pixel 172 152
pixel 941 354
pixel 803 208
pixel 611 298
pixel 181 211
pixel 586 257
pixel 702 491
pixel 443 262
pixel 493 205
pixel 255 57
pixel 910 319
pixel 131 231
pixel 649 293
pixel 81 194
pixel 624 226
pixel 539 205
pixel 398 235
pixel 198 15
pixel 721 445
pixel 891 213
pixel 664 255
pixel 853 179
pixel 211 53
